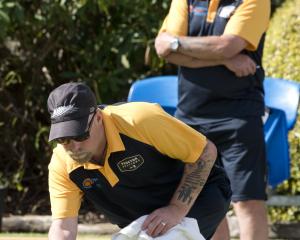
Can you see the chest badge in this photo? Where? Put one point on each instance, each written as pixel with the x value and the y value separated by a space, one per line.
pixel 88 183
pixel 130 163
pixel 227 11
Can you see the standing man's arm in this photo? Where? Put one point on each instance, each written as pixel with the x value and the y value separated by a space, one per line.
pixel 241 64
pixel 63 229
pixel 205 48
pixel 192 182
pixel 195 52
pixel 238 33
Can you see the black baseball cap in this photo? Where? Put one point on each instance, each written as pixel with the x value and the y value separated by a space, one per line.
pixel 70 105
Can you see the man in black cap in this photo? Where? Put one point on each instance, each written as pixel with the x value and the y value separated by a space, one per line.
pixel 130 160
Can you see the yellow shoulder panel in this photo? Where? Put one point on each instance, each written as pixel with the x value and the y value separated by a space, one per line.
pixel 250 21
pixel 150 124
pixel 176 22
pixel 65 196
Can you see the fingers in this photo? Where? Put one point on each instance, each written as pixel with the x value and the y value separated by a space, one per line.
pixel 155 226
pixel 158 229
pixel 242 65
pixel 165 228
pixel 147 221
pixel 246 69
pixel 252 67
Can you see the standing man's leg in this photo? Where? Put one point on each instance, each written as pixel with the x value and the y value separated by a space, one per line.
pixel 240 142
pixel 252 218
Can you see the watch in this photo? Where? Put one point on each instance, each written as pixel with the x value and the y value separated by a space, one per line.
pixel 175 44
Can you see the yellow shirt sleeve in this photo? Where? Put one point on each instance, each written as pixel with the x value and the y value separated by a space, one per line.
pixel 176 22
pixel 150 124
pixel 65 196
pixel 250 21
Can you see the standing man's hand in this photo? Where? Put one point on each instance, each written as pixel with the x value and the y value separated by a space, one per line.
pixel 163 219
pixel 241 65
pixel 163 44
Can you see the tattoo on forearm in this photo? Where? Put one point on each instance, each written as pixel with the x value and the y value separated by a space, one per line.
pixel 196 177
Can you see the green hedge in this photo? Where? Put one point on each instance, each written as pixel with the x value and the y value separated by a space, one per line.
pixel 46 43
pixel 282 60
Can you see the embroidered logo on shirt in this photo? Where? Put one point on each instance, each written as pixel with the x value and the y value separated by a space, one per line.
pixel 89 182
pixel 130 163
pixel 227 11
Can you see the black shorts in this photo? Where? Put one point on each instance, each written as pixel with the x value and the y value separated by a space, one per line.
pixel 211 206
pixel 241 146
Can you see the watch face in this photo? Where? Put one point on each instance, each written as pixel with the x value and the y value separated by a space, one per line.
pixel 174 44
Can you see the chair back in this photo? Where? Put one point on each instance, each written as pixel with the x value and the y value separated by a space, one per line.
pixel 283 95
pixel 161 89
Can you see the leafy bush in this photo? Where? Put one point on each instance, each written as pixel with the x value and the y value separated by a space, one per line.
pixel 282 60
pixel 46 43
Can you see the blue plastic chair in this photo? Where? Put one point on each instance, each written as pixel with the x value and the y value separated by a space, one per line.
pixel 281 96
pixel 162 90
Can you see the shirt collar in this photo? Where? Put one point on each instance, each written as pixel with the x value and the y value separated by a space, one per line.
pixel 114 144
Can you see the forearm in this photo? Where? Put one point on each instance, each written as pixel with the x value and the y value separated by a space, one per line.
pixel 211 47
pixel 194 178
pixel 60 234
pixel 62 229
pixel 191 62
pixel 204 48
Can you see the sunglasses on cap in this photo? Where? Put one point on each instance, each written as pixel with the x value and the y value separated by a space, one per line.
pixel 81 138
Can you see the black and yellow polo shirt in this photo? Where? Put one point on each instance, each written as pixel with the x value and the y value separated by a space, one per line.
pixel 147 149
pixel 216 91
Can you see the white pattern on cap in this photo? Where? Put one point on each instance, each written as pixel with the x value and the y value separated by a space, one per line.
pixel 57 112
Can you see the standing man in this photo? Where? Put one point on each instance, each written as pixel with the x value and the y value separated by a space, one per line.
pixel 218 46
pixel 130 160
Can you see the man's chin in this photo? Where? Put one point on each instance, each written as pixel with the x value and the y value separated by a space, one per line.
pixel 83 159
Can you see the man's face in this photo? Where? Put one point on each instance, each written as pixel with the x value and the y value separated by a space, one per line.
pixel 81 156
pixel 84 148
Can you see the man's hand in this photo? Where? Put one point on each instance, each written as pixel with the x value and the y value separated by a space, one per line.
pixel 241 65
pixel 63 229
pixel 163 44
pixel 163 219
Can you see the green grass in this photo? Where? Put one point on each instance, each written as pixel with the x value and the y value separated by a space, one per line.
pixel 40 236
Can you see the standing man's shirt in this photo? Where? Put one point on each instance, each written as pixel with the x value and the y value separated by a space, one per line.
pixel 216 91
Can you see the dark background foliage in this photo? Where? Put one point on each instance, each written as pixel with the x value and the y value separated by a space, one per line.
pixel 43 43
pixel 46 43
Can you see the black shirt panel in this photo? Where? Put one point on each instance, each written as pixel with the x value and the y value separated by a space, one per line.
pixel 147 181
pixel 141 188
pixel 216 91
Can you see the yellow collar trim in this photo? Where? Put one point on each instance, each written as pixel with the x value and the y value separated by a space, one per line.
pixel 212 10
pixel 114 144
